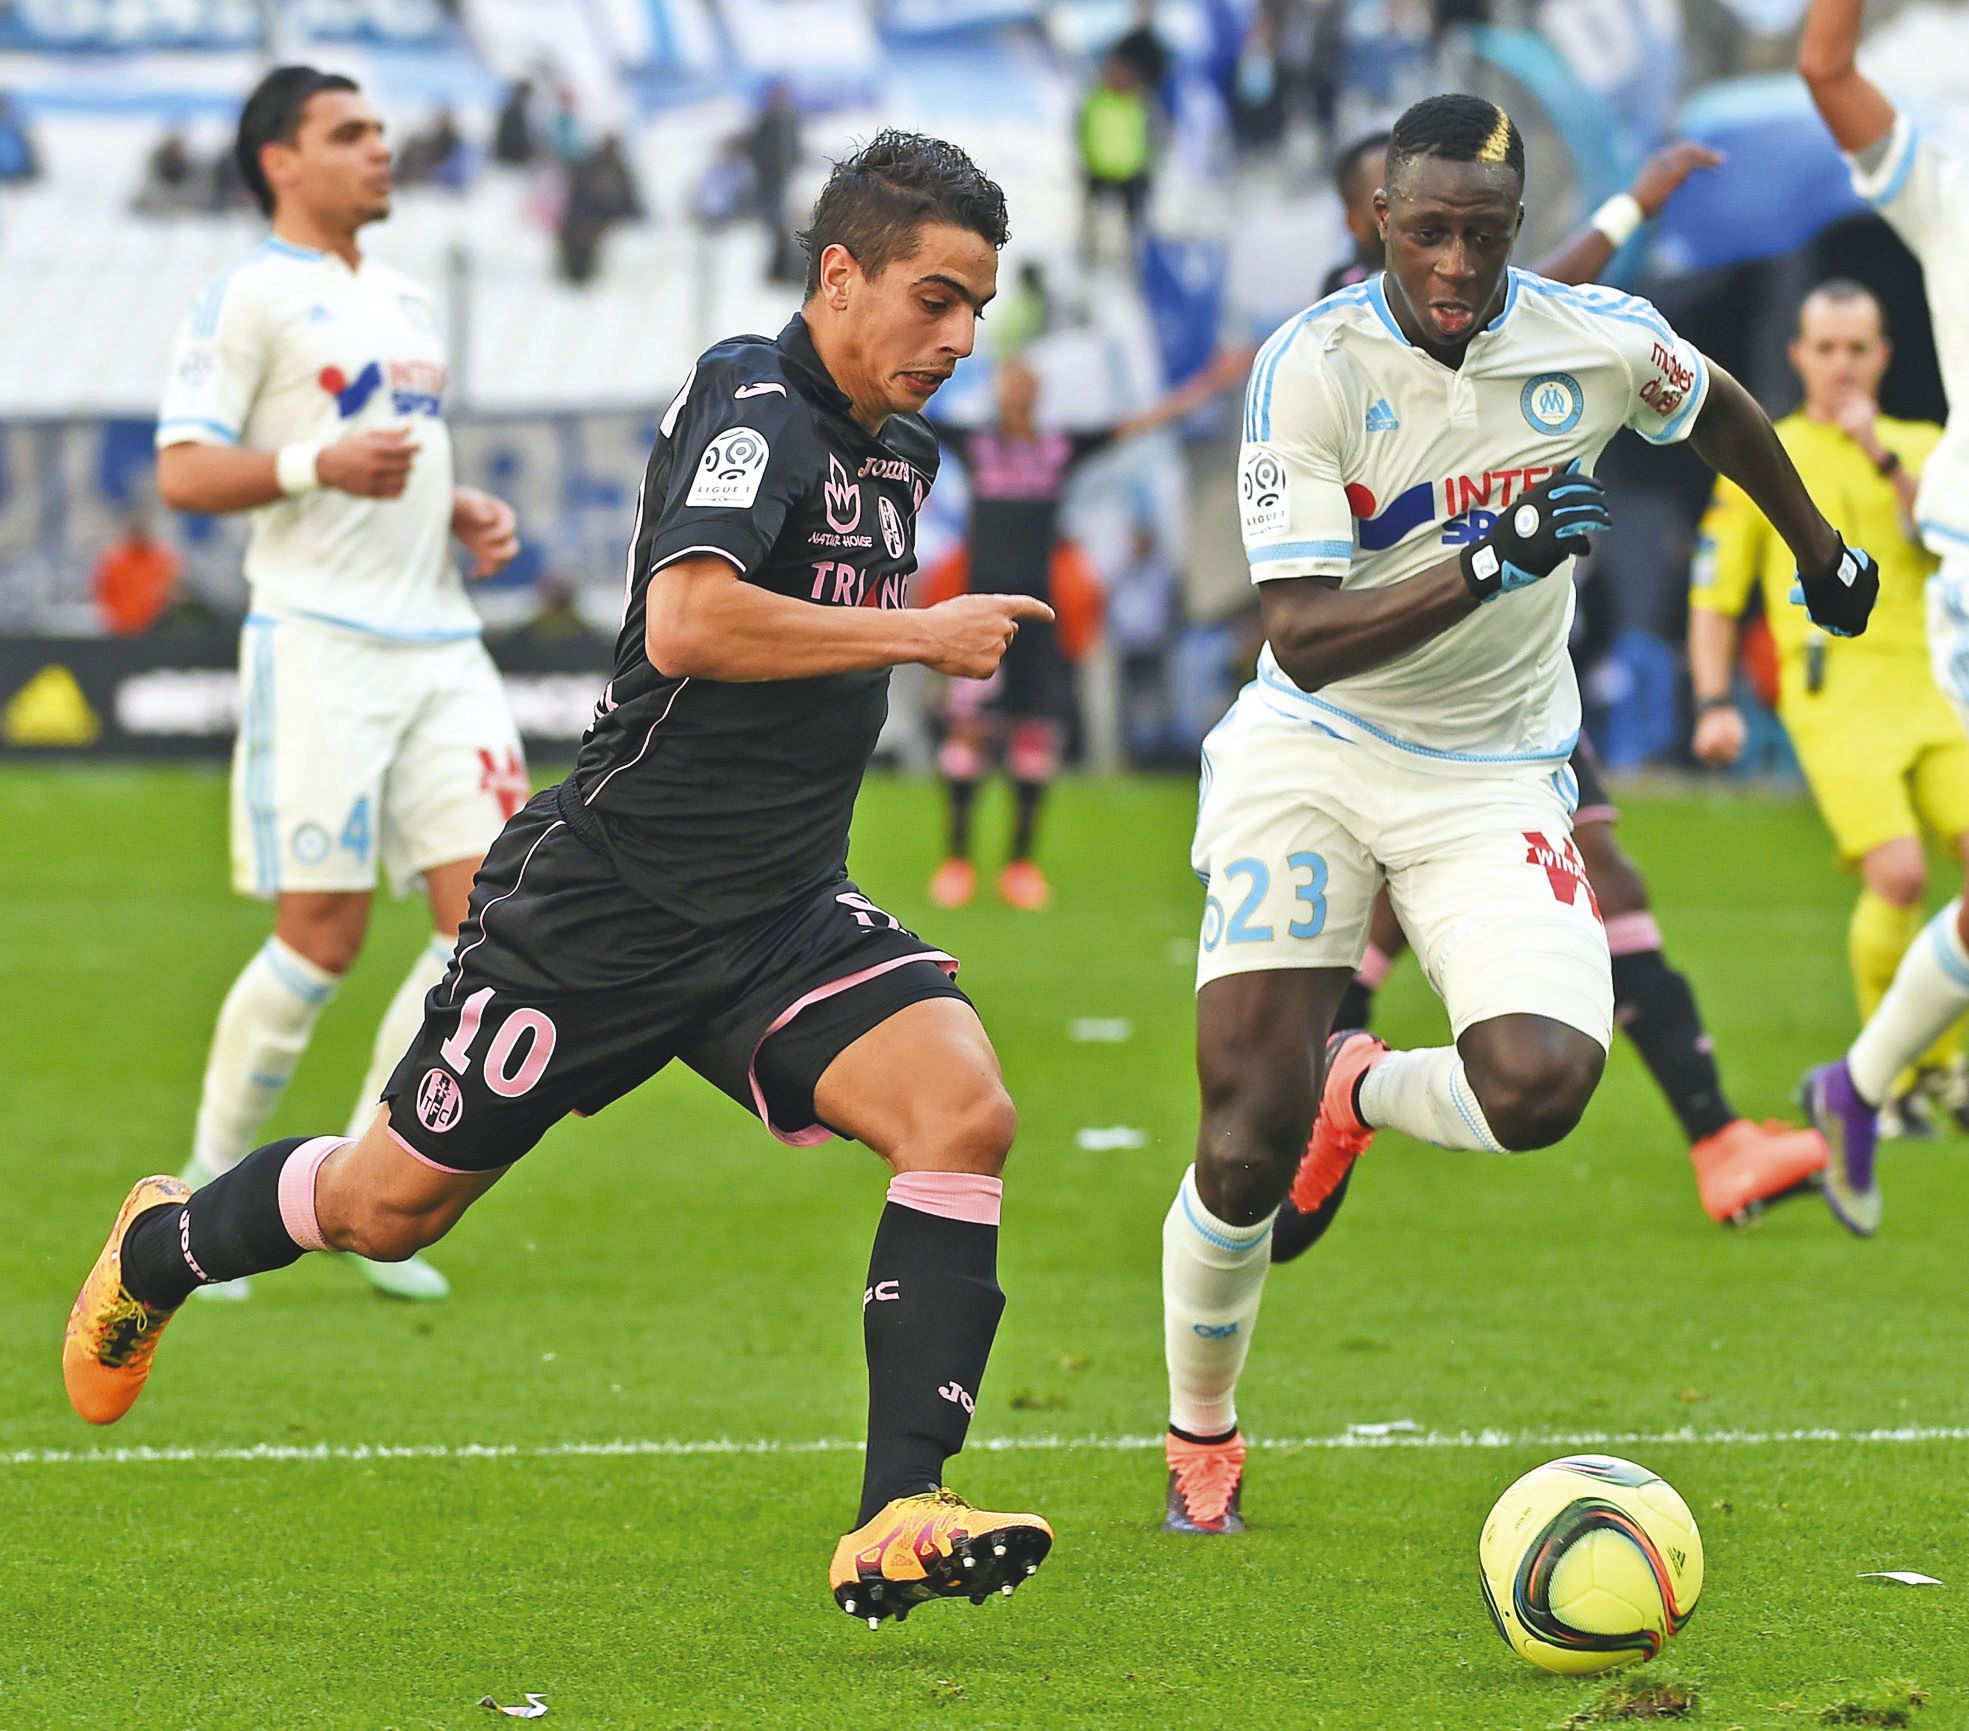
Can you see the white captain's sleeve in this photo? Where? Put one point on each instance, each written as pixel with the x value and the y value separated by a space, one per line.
pixel 1667 377
pixel 1291 472
pixel 1916 184
pixel 217 364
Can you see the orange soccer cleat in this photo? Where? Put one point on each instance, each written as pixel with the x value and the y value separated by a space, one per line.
pixel 1024 886
pixel 1339 1137
pixel 112 1336
pixel 1744 1166
pixel 1206 1485
pixel 955 884
pixel 933 1546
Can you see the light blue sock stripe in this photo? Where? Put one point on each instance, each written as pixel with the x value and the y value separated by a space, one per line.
pixel 307 990
pixel 1942 940
pixel 1209 1233
pixel 1468 1111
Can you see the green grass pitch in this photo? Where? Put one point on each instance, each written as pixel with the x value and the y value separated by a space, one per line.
pixel 666 1275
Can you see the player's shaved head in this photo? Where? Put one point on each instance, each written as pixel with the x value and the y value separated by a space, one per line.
pixel 1841 292
pixel 1455 128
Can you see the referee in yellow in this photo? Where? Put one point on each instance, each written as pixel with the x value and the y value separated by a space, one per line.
pixel 1883 751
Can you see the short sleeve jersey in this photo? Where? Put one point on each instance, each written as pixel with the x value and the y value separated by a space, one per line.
pixel 1366 459
pixel 722 802
pixel 1921 186
pixel 292 346
pixel 1738 552
pixel 1017 489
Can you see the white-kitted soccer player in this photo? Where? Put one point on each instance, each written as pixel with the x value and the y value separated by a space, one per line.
pixel 1921 186
pixel 1415 479
pixel 307 387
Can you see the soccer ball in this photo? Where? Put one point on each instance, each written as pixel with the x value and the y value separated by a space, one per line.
pixel 1590 1562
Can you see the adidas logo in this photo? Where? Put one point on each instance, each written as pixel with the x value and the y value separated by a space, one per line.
pixel 1382 418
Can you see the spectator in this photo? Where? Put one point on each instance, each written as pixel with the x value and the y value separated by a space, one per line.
pixel 729 187
pixel 171 178
pixel 1145 54
pixel 1116 149
pixel 601 191
pixel 775 147
pixel 434 157
pixel 1023 315
pixel 1258 89
pixel 512 133
pixel 20 162
pixel 135 579
pixel 1142 622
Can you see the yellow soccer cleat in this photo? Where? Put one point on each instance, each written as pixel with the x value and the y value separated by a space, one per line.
pixel 933 1546
pixel 111 1336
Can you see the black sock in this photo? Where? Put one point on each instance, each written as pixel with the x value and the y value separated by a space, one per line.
pixel 962 795
pixel 230 1227
pixel 1293 1233
pixel 927 1321
pixel 1653 1003
pixel 1356 1009
pixel 1026 796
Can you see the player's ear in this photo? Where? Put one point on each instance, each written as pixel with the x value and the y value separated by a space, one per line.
pixel 1518 227
pixel 838 271
pixel 1381 212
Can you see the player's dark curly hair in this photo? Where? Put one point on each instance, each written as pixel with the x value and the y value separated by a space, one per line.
pixel 876 200
pixel 272 115
pixel 1457 129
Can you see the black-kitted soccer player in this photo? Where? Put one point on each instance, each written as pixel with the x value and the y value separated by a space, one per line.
pixel 684 893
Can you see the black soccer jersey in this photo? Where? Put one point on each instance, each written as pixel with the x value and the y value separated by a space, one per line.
pixel 721 802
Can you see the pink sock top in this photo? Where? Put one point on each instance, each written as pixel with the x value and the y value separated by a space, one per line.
pixel 953 1195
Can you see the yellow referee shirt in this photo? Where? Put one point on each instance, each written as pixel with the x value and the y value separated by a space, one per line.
pixel 1739 550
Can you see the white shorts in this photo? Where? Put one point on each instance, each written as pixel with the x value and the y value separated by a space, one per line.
pixel 1948 631
pixel 354 750
pixel 1297 828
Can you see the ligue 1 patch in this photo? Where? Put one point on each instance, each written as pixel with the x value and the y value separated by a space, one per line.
pixel 1552 403
pixel 1263 493
pixel 729 473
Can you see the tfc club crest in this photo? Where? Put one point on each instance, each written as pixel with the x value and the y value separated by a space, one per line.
pixel 1563 869
pixel 440 1101
pixel 506 782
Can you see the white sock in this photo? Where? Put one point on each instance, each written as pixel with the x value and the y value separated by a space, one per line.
pixel 399 1027
pixel 263 1029
pixel 1930 989
pixel 1426 1095
pixel 1213 1275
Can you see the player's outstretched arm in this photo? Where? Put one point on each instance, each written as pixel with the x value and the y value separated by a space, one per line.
pixel 1320 632
pixel 1583 254
pixel 1849 102
pixel 705 623
pixel 1735 438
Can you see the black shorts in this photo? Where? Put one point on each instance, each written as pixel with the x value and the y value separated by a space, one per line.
pixel 568 990
pixel 1595 803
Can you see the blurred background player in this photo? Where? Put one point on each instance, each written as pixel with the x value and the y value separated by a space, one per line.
pixel 1411 720
pixel 307 387
pixel 1884 755
pixel 1922 188
pixel 1739 1164
pixel 1019 474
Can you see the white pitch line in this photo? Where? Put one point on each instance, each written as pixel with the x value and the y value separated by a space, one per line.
pixel 671 1449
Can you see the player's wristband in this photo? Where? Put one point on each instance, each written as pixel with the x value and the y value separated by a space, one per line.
pixel 1706 704
pixel 1620 218
pixel 294 468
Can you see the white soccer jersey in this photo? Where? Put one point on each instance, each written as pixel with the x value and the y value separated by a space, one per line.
pixel 1922 188
pixel 291 345
pixel 1367 460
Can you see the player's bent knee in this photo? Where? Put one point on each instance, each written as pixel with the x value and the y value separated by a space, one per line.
pixel 974 1134
pixel 1532 1098
pixel 1248 1148
pixel 385 1234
